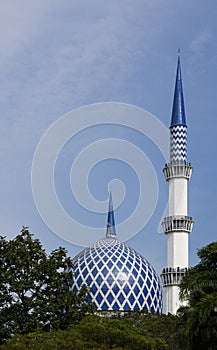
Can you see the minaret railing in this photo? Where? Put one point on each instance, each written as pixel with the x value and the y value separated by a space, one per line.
pixel 172 276
pixel 177 223
pixel 177 170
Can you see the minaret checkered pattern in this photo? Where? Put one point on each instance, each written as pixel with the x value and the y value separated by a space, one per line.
pixel 178 144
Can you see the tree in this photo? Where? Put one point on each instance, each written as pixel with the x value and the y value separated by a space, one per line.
pixel 35 291
pixel 95 332
pixel 133 330
pixel 199 289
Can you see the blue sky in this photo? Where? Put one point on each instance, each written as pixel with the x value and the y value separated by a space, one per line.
pixel 59 56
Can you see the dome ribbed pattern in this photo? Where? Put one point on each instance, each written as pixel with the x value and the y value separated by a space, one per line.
pixel 118 277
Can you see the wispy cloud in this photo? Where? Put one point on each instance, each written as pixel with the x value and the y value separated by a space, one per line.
pixel 200 45
pixel 19 25
pixel 56 56
pixel 200 41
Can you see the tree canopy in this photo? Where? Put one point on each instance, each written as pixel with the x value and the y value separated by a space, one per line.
pixel 35 291
pixel 199 289
pixel 38 309
pixel 131 331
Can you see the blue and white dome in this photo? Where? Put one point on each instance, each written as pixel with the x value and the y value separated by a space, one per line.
pixel 118 277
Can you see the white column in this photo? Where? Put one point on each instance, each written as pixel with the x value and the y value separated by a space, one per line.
pixel 177 249
pixel 178 196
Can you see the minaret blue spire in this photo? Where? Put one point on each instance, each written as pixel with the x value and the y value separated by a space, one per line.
pixel 178 127
pixel 178 112
pixel 110 232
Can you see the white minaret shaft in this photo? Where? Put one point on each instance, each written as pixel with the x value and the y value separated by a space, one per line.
pixel 178 225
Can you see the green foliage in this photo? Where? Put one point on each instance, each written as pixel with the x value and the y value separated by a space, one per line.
pixel 35 297
pixel 133 331
pixel 35 289
pixel 208 257
pixel 199 289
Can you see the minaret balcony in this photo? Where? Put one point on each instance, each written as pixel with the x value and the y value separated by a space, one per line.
pixel 177 223
pixel 172 276
pixel 177 170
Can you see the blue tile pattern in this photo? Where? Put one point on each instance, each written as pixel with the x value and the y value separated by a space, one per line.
pixel 123 281
pixel 178 144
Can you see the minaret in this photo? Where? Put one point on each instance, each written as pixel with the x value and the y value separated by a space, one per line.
pixel 110 232
pixel 178 225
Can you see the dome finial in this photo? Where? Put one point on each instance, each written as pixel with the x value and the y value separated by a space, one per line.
pixel 110 232
pixel 178 112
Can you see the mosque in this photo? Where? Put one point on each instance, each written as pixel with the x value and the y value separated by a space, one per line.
pixel 118 277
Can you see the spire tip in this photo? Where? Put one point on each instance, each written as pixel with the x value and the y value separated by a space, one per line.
pixel 110 232
pixel 178 110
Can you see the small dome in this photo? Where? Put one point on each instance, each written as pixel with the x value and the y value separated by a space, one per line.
pixel 118 277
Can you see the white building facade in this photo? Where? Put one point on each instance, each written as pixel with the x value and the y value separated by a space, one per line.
pixel 178 225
